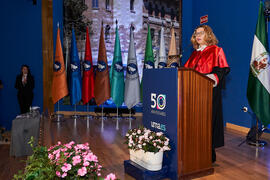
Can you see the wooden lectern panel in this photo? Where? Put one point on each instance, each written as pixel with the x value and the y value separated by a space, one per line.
pixel 194 122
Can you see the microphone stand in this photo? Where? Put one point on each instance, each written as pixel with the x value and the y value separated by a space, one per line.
pixel 258 142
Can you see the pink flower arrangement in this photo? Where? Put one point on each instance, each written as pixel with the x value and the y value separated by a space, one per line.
pixel 146 140
pixel 75 161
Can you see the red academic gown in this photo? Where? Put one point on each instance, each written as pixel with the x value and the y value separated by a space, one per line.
pixel 212 60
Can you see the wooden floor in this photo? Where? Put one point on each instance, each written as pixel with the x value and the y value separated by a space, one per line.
pixel 233 162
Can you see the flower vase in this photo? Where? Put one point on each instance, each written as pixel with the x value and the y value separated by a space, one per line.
pixel 153 161
pixel 136 156
pixel 149 160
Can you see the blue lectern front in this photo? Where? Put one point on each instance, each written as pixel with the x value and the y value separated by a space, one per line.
pixel 178 102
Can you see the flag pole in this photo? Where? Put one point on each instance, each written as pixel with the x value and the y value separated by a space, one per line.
pixel 57 115
pixel 88 117
pixel 129 118
pixel 102 123
pixel 75 116
pixel 117 123
pixel 102 111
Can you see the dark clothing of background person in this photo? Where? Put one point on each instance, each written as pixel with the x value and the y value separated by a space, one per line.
pixel 25 92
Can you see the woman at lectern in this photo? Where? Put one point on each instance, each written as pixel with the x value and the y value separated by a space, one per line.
pixel 25 85
pixel 209 59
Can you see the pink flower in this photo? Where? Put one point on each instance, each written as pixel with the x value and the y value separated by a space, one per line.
pixel 86 163
pixel 64 175
pixel 64 149
pixel 82 171
pixel 110 177
pixel 51 156
pixel 66 167
pixel 56 151
pixel 91 157
pixel 58 174
pixel 76 160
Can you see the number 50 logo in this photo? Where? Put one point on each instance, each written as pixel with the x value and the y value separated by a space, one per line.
pixel 159 101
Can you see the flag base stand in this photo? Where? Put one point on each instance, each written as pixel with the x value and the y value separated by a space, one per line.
pixel 75 116
pixel 58 117
pixel 88 117
pixel 259 143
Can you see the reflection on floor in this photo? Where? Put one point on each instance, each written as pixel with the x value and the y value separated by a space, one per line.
pixel 107 142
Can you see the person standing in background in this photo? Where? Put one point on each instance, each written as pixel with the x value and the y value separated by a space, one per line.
pixel 25 85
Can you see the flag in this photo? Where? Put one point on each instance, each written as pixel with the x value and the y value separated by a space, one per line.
pixel 148 55
pixel 258 90
pixel 117 73
pixel 75 74
pixel 173 58
pixel 102 81
pixel 162 60
pixel 132 83
pixel 88 73
pixel 59 84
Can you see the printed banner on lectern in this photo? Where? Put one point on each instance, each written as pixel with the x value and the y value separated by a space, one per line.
pixel 160 106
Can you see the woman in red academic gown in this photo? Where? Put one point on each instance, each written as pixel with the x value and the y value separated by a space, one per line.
pixel 209 59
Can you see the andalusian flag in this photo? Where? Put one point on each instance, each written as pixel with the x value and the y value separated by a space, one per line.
pixel 59 85
pixel 117 73
pixel 259 76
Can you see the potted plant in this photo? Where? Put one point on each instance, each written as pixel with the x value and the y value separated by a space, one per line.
pixel 62 161
pixel 147 147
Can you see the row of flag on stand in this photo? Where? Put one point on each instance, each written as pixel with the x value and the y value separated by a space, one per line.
pixel 105 84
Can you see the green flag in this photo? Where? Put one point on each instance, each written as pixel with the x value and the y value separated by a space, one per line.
pixel 117 73
pixel 148 56
pixel 258 90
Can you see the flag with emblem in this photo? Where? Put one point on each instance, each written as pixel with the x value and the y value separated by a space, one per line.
pixel 173 57
pixel 102 82
pixel 117 73
pixel 132 83
pixel 59 84
pixel 75 74
pixel 258 90
pixel 88 72
pixel 148 56
pixel 162 60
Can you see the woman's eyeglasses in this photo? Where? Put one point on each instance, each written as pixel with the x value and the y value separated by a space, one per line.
pixel 199 33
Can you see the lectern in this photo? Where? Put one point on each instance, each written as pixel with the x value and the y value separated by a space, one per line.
pixel 178 102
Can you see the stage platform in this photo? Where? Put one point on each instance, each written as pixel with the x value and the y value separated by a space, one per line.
pixel 233 162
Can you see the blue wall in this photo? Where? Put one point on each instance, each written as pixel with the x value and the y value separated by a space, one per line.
pixel 232 21
pixel 21 43
pixel 234 24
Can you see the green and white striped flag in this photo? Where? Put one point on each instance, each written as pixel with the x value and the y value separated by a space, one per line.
pixel 258 90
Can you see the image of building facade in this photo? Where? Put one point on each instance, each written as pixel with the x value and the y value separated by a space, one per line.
pixel 127 13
